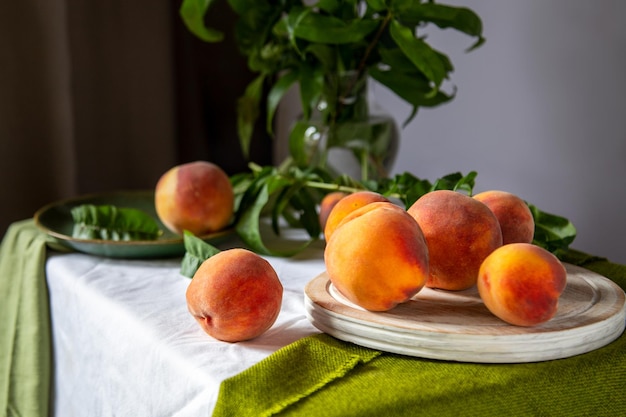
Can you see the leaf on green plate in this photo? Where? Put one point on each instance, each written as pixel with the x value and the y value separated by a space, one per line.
pixel 109 222
pixel 196 252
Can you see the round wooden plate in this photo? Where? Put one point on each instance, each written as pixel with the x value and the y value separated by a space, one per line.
pixel 457 326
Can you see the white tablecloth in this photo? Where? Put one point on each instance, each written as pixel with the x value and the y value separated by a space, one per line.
pixel 125 344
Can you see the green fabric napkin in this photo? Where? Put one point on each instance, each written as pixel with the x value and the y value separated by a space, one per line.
pixel 25 340
pixel 322 376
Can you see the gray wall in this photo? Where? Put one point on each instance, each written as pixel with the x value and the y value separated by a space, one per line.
pixel 540 111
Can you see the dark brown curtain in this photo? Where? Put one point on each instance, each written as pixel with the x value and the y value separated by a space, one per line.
pixel 101 96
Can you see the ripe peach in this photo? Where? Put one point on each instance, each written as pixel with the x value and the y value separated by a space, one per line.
pixel 521 283
pixel 235 295
pixel 196 196
pixel 377 256
pixel 327 204
pixel 460 232
pixel 516 219
pixel 347 205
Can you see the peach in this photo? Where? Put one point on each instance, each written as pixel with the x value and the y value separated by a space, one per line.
pixel 347 205
pixel 460 232
pixel 515 218
pixel 196 196
pixel 521 283
pixel 329 201
pixel 235 295
pixel 377 256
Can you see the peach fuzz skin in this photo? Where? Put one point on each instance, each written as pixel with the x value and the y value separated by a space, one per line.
pixel 235 295
pixel 327 204
pixel 347 205
pixel 521 284
pixel 196 196
pixel 377 257
pixel 460 232
pixel 515 218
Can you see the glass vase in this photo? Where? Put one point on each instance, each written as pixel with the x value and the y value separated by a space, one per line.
pixel 347 133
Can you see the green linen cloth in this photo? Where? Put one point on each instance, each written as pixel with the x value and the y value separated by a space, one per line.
pixel 322 376
pixel 25 338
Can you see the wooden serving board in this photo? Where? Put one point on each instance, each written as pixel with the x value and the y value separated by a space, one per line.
pixel 457 326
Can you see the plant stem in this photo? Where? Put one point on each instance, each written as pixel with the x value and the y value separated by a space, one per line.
pixel 372 44
pixel 362 64
pixel 344 188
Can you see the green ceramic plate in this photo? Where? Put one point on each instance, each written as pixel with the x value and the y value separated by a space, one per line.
pixel 56 220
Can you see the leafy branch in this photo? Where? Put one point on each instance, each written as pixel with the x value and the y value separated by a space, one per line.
pixel 289 196
pixel 293 42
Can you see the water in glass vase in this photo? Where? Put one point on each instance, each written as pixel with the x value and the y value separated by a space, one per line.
pixel 363 149
pixel 344 135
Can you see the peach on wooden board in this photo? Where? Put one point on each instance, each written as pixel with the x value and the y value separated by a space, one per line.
pixel 196 196
pixel 235 295
pixel 521 283
pixel 327 204
pixel 460 232
pixel 377 256
pixel 347 205
pixel 515 218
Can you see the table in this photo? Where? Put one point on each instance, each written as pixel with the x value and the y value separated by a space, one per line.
pixel 125 344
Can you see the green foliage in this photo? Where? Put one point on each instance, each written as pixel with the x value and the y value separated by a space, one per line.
pixel 108 222
pixel 289 197
pixel 552 232
pixel 292 42
pixel 196 252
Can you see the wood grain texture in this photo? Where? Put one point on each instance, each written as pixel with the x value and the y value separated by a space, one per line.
pixel 457 326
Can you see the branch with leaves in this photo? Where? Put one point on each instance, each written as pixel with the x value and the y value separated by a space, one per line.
pixel 289 195
pixel 300 42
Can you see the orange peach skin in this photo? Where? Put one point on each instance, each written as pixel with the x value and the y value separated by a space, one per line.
pixel 515 218
pixel 521 284
pixel 460 232
pixel 377 257
pixel 347 205
pixel 235 295
pixel 196 196
pixel 327 204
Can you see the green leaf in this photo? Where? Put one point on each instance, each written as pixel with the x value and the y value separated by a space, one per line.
pixel 411 87
pixel 406 186
pixel 325 54
pixel 276 94
pixel 192 13
pixel 248 112
pixel 311 85
pixel 456 182
pixel 552 232
pixel 409 188
pixel 459 18
pixel 315 27
pixel 108 222
pixel 329 6
pixel 306 206
pixel 196 252
pixel 297 143
pixel 248 228
pixel 376 5
pixel 419 52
